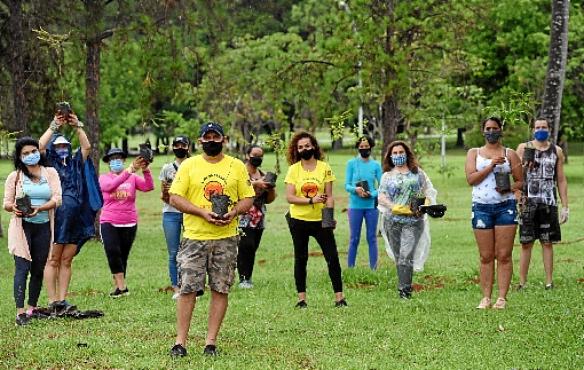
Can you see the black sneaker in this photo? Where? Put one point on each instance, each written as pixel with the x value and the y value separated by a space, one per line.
pixel 341 303
pixel 67 307
pixel 405 294
pixel 119 293
pixel 178 351
pixel 22 319
pixel 301 304
pixel 549 286
pixel 210 350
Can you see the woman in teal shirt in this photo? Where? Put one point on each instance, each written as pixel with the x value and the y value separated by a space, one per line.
pixel 361 181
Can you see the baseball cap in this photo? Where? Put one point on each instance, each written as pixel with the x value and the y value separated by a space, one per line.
pixel 211 126
pixel 61 140
pixel 181 139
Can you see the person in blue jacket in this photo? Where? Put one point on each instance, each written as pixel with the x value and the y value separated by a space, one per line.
pixel 361 182
pixel 81 198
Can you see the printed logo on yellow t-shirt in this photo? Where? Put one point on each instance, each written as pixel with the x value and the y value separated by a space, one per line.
pixel 212 188
pixel 309 189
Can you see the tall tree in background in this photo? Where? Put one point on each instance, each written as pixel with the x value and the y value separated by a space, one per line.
pixel 17 67
pixel 556 71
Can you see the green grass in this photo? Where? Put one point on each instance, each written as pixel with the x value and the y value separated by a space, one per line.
pixel 439 328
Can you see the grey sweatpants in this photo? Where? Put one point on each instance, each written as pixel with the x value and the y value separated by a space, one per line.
pixel 403 239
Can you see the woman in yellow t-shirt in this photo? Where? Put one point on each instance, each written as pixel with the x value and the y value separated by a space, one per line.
pixel 309 190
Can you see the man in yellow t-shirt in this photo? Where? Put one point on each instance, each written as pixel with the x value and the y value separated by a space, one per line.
pixel 209 246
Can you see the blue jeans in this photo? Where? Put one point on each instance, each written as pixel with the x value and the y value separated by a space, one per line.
pixel 487 216
pixel 172 223
pixel 356 216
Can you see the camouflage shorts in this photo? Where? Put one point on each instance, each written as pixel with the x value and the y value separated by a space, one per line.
pixel 197 259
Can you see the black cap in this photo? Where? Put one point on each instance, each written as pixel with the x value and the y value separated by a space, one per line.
pixel 114 151
pixel 181 139
pixel 211 126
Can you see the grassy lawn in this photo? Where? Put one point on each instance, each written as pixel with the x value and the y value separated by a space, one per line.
pixel 439 328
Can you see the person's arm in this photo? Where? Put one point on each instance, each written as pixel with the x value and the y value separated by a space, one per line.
pixel 520 150
pixel 242 206
pixel 185 206
pixel 109 184
pixel 383 197
pixel 562 185
pixel 328 190
pixel 145 183
pixel 54 126
pixel 83 140
pixel 10 192
pixel 374 191
pixel 349 187
pixel 516 172
pixel 429 191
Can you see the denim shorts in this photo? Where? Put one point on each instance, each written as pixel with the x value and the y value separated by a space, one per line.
pixel 487 216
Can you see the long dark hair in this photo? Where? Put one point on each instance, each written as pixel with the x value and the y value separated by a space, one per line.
pixel 18 164
pixel 293 155
pixel 411 161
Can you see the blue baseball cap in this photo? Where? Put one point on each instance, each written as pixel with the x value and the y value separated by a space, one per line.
pixel 211 126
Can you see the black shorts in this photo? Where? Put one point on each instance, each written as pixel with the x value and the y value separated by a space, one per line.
pixel 539 221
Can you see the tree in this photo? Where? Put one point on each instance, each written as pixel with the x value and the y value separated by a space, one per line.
pixel 16 48
pixel 556 71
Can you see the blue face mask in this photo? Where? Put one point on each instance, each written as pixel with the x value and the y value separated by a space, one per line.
pixel 32 159
pixel 399 159
pixel 116 165
pixel 541 135
pixel 62 152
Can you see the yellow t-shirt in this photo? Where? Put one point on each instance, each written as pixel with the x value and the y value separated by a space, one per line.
pixel 308 184
pixel 196 180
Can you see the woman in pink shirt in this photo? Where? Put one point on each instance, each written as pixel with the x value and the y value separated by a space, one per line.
pixel 119 219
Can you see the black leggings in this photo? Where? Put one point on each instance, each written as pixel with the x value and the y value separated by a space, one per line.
pixel 117 242
pixel 301 231
pixel 248 245
pixel 38 237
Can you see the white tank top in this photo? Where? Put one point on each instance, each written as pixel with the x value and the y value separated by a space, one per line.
pixel 485 192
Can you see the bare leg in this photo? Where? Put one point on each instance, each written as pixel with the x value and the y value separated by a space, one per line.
pixel 524 260
pixel 339 296
pixel 65 270
pixel 217 309
pixel 548 262
pixel 302 296
pixel 486 242
pixel 52 272
pixel 120 281
pixel 185 305
pixel 504 236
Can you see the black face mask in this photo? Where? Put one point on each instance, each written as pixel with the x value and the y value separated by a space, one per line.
pixel 256 161
pixel 365 153
pixel 180 152
pixel 307 154
pixel 212 148
pixel 493 136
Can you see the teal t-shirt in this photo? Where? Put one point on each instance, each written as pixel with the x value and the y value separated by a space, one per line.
pixel 361 170
pixel 39 194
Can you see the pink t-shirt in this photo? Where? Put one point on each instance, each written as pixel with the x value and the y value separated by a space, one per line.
pixel 119 196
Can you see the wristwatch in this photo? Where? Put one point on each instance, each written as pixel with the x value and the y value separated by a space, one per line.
pixel 79 124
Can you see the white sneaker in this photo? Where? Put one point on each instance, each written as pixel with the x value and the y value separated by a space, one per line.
pixel 246 284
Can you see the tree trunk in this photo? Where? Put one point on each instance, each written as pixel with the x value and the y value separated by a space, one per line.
pixel 390 114
pixel 17 68
pixel 91 97
pixel 556 71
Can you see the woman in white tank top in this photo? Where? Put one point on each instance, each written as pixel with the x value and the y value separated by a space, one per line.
pixel 494 213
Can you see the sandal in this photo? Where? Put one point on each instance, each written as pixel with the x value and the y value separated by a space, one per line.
pixel 485 303
pixel 500 304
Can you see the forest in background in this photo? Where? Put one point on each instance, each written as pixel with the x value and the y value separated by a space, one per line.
pixel 267 66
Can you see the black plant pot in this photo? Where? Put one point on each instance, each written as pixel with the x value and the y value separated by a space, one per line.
pixel 363 184
pixel 503 182
pixel 416 203
pixel 146 153
pixel 529 155
pixel 271 178
pixel 24 205
pixel 328 218
pixel 220 204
